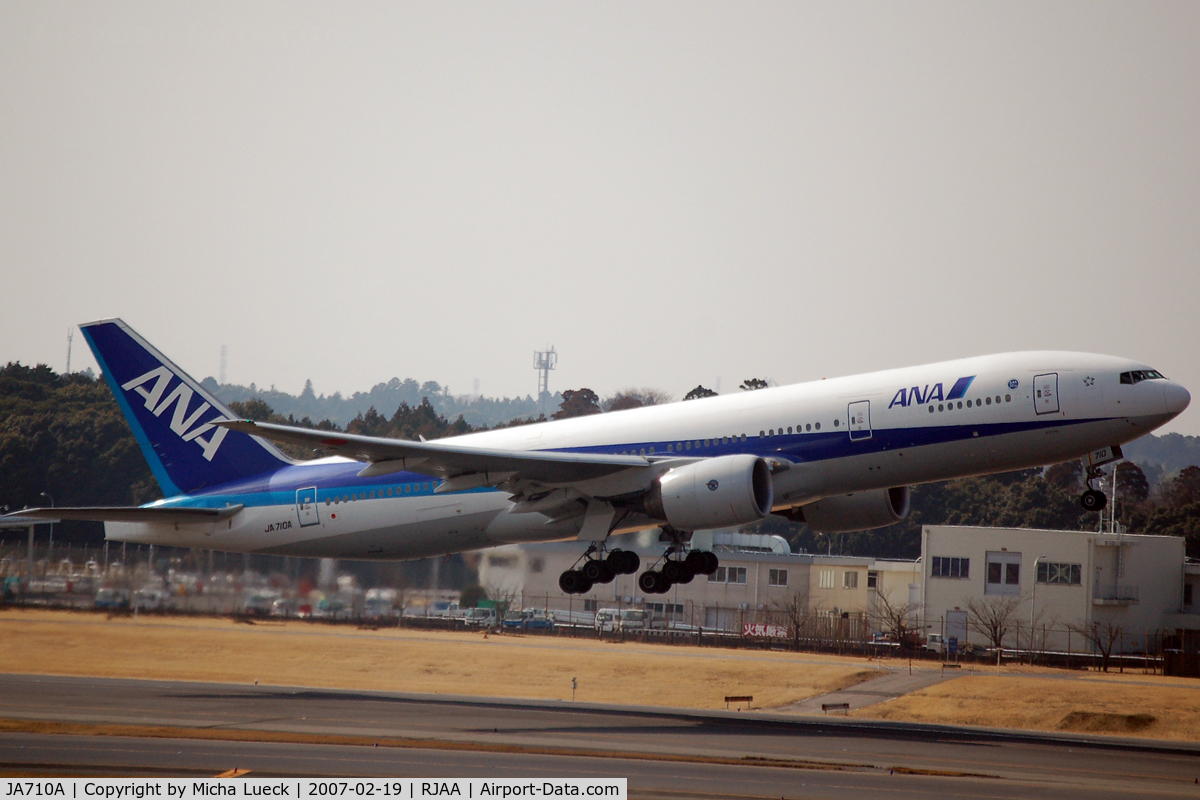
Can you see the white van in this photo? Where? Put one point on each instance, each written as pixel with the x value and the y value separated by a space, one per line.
pixel 608 619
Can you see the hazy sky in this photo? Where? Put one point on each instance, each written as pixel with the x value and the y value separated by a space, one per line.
pixel 669 193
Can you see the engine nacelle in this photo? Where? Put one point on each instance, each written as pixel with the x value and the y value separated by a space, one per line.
pixel 859 511
pixel 713 493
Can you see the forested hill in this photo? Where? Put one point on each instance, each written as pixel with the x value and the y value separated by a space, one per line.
pixel 385 398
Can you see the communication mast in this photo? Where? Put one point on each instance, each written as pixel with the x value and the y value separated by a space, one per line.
pixel 70 336
pixel 221 373
pixel 543 362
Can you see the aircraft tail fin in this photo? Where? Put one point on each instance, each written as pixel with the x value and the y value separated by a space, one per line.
pixel 171 415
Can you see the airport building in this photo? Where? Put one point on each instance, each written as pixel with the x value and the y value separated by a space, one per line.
pixel 1067 583
pixel 759 581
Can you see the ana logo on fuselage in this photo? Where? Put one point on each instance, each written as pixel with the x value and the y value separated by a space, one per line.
pixel 916 396
pixel 182 423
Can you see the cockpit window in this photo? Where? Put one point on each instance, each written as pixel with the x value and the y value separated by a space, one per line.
pixel 1139 375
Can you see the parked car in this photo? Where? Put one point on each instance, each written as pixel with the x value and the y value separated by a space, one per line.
pixel 149 599
pixel 608 619
pixel 529 619
pixel 111 599
pixel 258 604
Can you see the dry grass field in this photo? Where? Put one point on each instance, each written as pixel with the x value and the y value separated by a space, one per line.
pixel 1127 705
pixel 437 662
pixel 510 665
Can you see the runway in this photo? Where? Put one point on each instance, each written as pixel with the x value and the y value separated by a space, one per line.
pixel 664 753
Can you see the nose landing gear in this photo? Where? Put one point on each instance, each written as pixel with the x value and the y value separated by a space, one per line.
pixel 1093 499
pixel 599 566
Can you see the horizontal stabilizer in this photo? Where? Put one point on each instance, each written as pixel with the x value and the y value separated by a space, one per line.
pixel 178 516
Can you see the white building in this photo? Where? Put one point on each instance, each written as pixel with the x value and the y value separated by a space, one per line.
pixel 759 578
pixel 1064 581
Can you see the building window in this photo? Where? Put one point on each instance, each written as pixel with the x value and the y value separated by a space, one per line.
pixel 1064 574
pixel 502 561
pixel 589 605
pixel 826 579
pixel 1187 594
pixel 737 575
pixel 849 580
pixel 946 567
pixel 1003 573
pixel 872 580
pixel 537 564
pixel 718 576
pixel 777 577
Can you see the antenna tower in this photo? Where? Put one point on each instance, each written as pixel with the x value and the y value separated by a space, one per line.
pixel 221 374
pixel 70 336
pixel 543 362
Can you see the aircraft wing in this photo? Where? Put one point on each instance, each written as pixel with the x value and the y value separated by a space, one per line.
pixel 163 514
pixel 449 461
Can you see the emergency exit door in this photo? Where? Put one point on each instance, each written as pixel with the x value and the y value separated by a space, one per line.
pixel 1045 393
pixel 860 420
pixel 306 506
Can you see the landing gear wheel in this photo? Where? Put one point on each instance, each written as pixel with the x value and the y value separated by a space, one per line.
pixel 648 581
pixel 573 582
pixel 696 561
pixel 687 573
pixel 653 582
pixel 711 562
pixel 674 571
pixel 597 571
pixel 623 562
pixel 1093 500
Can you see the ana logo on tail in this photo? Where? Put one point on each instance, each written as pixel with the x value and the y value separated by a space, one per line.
pixel 182 423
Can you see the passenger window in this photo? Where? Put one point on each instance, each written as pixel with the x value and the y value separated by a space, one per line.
pixel 789 428
pixel 689 445
pixel 808 427
pixel 1008 398
pixel 940 408
pixel 989 401
pixel 762 434
pixel 818 426
pixel 997 398
pixel 960 403
pixel 670 448
pixel 836 422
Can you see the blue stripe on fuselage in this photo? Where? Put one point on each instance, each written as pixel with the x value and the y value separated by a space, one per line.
pixel 341 479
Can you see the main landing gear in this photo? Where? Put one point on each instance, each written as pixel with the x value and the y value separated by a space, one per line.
pixel 1093 499
pixel 679 565
pixel 598 567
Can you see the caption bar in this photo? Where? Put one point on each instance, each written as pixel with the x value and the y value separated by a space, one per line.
pixel 374 788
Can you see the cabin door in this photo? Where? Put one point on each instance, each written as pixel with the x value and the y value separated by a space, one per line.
pixel 306 506
pixel 1045 393
pixel 860 420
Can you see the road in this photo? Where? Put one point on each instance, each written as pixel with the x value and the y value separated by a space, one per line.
pixel 664 753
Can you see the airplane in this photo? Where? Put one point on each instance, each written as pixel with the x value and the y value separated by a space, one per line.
pixel 839 454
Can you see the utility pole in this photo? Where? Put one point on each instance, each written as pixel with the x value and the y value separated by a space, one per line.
pixel 70 336
pixel 543 362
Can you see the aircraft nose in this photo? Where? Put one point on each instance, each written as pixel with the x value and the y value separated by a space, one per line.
pixel 1177 398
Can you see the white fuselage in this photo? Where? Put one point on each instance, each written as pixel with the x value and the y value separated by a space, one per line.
pixel 894 428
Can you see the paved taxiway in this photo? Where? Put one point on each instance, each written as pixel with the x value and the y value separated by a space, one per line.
pixel 561 739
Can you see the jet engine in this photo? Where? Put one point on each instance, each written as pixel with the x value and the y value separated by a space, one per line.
pixel 859 511
pixel 713 493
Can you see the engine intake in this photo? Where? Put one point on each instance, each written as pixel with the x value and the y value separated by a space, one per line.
pixel 859 511
pixel 713 493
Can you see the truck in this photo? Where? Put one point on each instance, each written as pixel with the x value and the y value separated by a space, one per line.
pixel 481 618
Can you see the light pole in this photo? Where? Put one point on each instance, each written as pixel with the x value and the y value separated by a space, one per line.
pixel 1033 605
pixel 50 546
